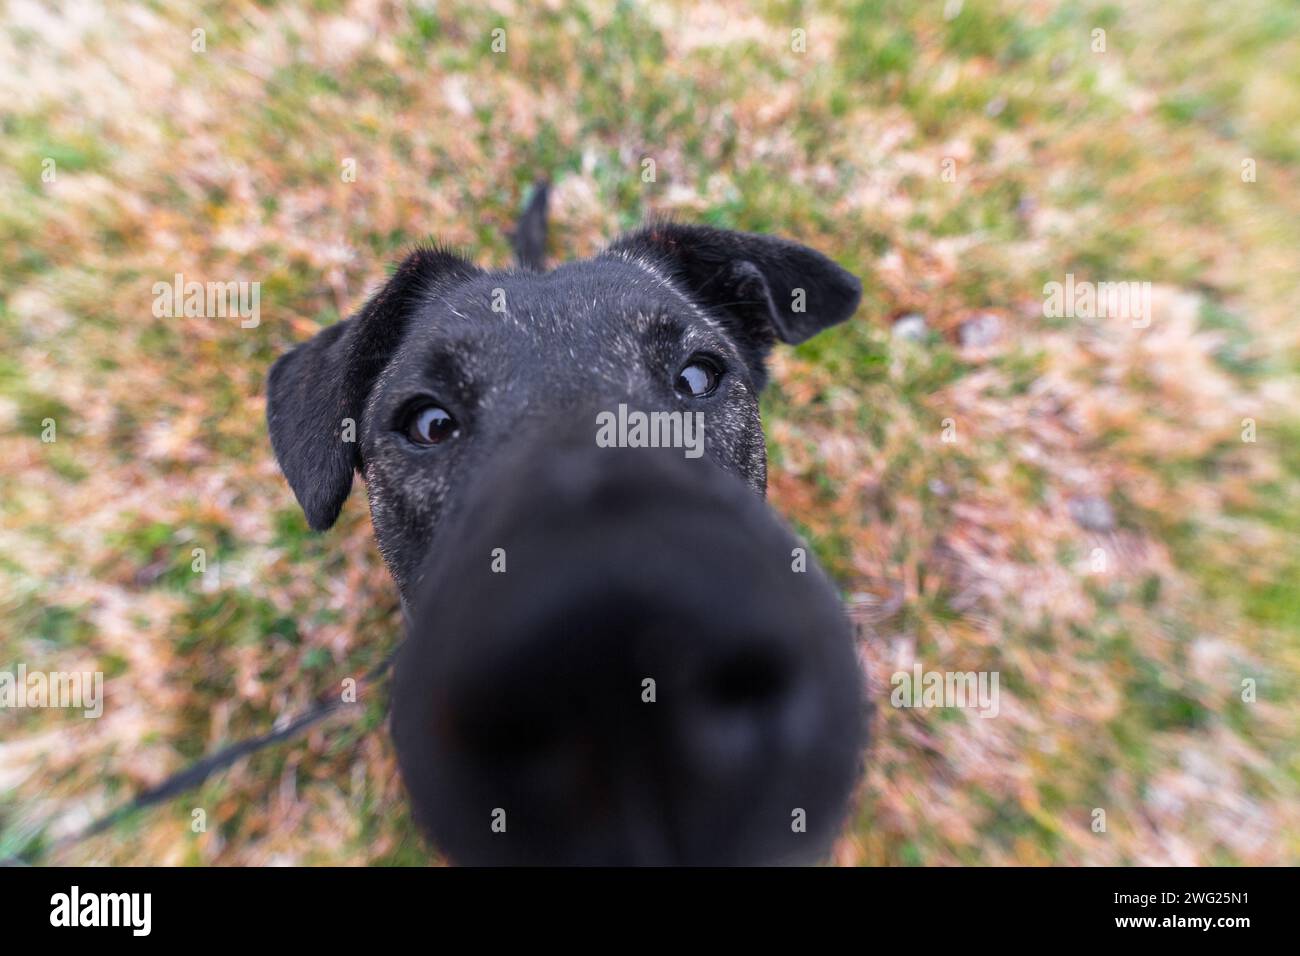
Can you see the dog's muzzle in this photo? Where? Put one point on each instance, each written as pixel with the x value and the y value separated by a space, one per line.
pixel 619 656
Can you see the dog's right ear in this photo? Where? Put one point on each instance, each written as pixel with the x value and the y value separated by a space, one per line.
pixel 315 390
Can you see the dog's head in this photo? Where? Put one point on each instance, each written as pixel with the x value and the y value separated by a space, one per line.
pixel 448 364
pixel 554 582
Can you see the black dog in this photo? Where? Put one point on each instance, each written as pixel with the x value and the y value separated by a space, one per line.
pixel 612 655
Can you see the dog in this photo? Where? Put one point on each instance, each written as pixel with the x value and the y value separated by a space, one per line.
pixel 613 655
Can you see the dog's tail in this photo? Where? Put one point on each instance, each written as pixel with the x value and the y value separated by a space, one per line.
pixel 529 237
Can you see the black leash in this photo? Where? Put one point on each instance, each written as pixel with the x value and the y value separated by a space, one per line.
pixel 199 771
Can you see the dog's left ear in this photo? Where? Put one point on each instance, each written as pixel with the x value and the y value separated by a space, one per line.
pixel 762 287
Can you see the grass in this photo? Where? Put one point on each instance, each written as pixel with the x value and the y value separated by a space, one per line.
pixel 1122 687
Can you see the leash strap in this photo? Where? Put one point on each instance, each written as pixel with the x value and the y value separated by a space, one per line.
pixel 199 771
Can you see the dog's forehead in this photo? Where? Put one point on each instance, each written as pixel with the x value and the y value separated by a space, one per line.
pixel 600 299
pixel 599 308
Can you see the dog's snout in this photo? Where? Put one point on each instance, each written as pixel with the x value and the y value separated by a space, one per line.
pixel 642 678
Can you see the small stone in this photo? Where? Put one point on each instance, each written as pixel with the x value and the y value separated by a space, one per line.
pixel 981 331
pixel 911 327
pixel 1092 513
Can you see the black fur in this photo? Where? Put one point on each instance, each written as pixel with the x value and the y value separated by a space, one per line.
pixel 745 281
pixel 753 282
pixel 314 389
pixel 518 358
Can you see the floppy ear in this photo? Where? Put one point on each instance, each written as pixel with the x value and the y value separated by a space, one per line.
pixel 314 388
pixel 762 287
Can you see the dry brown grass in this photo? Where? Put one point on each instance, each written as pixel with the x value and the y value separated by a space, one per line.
pixel 1121 689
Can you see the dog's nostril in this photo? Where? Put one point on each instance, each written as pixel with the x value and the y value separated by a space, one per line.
pixel 507 741
pixel 746 681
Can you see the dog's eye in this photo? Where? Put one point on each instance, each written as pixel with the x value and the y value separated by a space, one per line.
pixel 429 425
pixel 698 378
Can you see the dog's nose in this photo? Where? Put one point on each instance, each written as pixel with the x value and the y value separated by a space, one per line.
pixel 622 656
